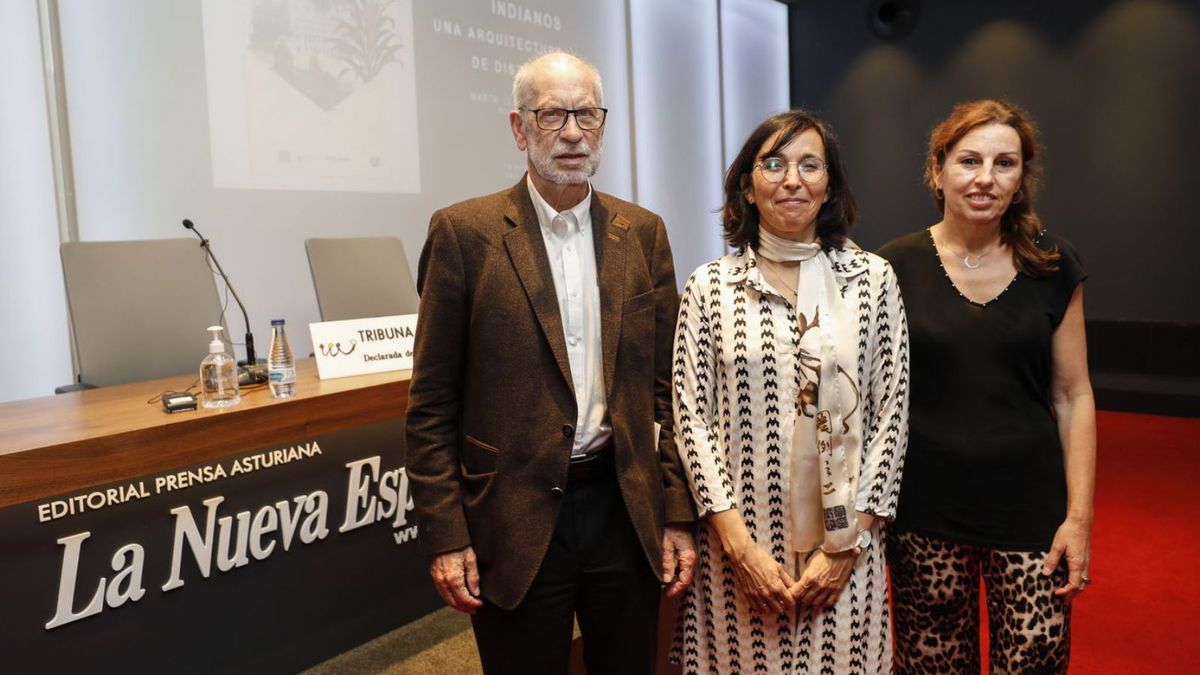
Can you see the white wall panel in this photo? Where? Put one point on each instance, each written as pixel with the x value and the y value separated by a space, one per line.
pixel 754 50
pixel 34 340
pixel 677 118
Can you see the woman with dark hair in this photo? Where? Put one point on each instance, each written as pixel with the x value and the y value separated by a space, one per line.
pixel 790 409
pixel 1002 449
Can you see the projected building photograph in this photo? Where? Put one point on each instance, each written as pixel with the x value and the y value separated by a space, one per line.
pixel 308 95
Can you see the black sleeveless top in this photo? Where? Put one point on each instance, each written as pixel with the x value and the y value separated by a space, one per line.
pixel 985 462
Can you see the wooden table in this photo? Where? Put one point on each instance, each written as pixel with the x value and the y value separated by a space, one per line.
pixel 58 444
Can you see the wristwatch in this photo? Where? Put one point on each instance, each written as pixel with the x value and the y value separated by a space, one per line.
pixel 863 542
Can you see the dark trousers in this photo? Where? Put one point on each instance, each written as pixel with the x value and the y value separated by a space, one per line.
pixel 595 570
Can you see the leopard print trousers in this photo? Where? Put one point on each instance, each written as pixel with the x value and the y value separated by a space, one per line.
pixel 935 596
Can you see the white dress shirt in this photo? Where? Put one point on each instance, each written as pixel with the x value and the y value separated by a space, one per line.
pixel 572 253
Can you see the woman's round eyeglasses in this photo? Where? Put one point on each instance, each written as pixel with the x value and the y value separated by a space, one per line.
pixel 774 169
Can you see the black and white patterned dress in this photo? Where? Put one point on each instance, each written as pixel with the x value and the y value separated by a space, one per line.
pixel 737 381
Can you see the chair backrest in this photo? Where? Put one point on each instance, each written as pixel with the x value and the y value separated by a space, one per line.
pixel 139 308
pixel 360 277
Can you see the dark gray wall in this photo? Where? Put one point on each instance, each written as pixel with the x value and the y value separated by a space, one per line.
pixel 1113 86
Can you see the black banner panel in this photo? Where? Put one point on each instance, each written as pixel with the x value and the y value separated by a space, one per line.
pixel 271 560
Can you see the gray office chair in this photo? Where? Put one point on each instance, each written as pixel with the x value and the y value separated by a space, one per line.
pixel 138 308
pixel 361 277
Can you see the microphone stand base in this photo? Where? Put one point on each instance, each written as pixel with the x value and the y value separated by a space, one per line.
pixel 252 375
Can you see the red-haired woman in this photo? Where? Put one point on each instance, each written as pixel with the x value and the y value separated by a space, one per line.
pixel 1000 470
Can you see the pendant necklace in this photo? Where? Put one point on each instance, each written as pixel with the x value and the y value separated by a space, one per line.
pixel 779 276
pixel 966 257
pixel 966 261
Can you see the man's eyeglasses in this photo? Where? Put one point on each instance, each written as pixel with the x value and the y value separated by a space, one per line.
pixel 774 169
pixel 553 119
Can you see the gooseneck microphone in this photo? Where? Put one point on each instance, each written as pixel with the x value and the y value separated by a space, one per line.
pixel 251 362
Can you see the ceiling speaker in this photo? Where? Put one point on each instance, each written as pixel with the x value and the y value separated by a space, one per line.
pixel 893 19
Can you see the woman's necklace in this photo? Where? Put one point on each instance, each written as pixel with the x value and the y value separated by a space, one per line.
pixel 779 277
pixel 966 260
pixel 966 256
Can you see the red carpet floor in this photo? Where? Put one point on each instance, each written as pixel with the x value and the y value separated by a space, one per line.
pixel 1142 612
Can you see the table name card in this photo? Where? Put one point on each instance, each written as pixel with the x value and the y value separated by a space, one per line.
pixel 360 346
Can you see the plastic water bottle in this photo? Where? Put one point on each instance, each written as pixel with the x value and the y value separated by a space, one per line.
pixel 281 367
pixel 218 374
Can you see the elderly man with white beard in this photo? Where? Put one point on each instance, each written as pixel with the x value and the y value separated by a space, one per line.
pixel 540 448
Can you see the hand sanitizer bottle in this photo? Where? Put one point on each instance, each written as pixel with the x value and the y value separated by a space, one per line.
pixel 218 374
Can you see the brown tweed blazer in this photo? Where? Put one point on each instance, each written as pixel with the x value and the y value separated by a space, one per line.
pixel 491 407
